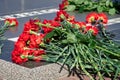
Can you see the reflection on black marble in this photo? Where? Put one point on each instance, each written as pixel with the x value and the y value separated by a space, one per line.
pixel 6 50
pixel 15 6
pixel 116 34
pixel 114 29
pixel 9 6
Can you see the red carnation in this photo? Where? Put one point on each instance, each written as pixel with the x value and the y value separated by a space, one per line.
pixel 38 52
pixel 38 58
pixel 103 18
pixel 63 5
pixel 15 52
pixel 92 29
pixel 18 60
pixel 92 17
pixel 53 23
pixel 33 43
pixel 61 15
pixel 24 36
pixel 11 22
pixel 20 44
pixel 31 25
pixel 82 25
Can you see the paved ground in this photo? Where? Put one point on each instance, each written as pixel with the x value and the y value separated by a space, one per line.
pixel 26 9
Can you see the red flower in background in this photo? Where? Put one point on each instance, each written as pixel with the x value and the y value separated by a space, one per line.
pixel 63 5
pixel 11 22
pixel 82 25
pixel 71 18
pixel 61 15
pixel 103 18
pixel 92 17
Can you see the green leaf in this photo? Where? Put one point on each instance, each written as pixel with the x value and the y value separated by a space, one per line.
pixel 99 8
pixel 65 41
pixel 107 2
pixel 71 38
pixel 112 11
pixel 71 7
pixel 49 35
pixel 111 4
pixel 30 57
pixel 22 56
pixel 92 44
pixel 77 1
pixel 81 9
pixel 70 0
pixel 94 6
pixel 86 2
pixel 80 1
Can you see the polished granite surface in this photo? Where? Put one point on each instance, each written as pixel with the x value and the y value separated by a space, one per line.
pixel 15 6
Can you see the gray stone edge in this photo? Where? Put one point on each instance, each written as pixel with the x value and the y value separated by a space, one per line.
pixel 11 71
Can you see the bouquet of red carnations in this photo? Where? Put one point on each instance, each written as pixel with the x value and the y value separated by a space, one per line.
pixel 85 47
pixel 9 23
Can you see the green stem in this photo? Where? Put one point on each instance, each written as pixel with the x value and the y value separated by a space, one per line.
pixel 33 32
pixel 82 66
pixel 45 25
pixel 115 54
pixel 93 63
pixel 3 29
pixel 84 70
pixel 60 54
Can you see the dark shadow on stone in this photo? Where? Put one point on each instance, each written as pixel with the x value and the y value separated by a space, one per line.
pixel 33 64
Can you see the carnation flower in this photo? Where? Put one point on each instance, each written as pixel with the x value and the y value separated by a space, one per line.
pixel 63 5
pixel 91 17
pixel 61 15
pixel 92 29
pixel 47 29
pixel 31 26
pixel 11 22
pixel 103 18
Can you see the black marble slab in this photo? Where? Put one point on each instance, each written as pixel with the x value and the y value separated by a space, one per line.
pixel 15 6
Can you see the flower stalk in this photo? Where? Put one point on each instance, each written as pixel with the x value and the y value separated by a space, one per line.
pixel 107 51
